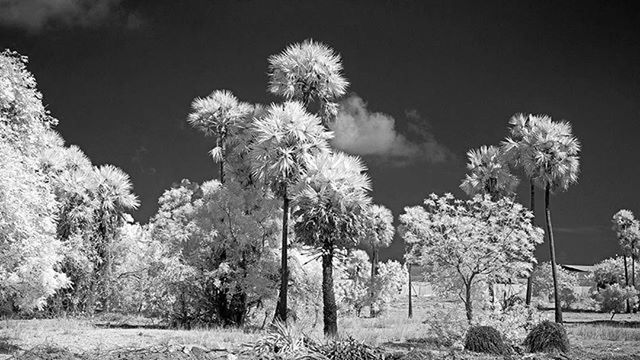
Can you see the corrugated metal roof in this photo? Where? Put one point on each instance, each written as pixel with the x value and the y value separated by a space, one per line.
pixel 578 268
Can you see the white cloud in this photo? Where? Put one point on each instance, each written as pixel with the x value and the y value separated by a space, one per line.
pixel 33 15
pixel 358 131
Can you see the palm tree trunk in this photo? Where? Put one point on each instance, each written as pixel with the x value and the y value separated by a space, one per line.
pixel 552 250
pixel 532 207
pixel 626 280
pixel 281 307
pixel 410 292
pixel 374 272
pixel 330 310
pixel 221 143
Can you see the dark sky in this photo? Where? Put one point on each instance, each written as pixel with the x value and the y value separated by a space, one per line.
pixel 120 78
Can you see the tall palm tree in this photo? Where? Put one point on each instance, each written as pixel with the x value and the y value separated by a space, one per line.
pixel 220 114
pixel 332 214
pixel 285 142
pixel 515 149
pixel 380 234
pixel 488 174
pixel 307 72
pixel 549 154
pixel 113 195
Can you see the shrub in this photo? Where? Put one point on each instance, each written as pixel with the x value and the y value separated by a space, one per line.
pixel 348 349
pixel 513 322
pixel 547 337
pixel 613 298
pixel 485 339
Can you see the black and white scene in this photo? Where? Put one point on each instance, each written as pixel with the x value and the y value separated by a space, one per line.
pixel 319 180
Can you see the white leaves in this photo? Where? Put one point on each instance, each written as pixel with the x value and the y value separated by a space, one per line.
pixel 284 142
pixel 488 173
pixel 305 71
pixel 545 149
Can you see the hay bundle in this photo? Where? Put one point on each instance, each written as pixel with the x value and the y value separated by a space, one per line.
pixel 547 337
pixel 485 339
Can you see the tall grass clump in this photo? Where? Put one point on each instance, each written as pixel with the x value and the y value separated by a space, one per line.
pixel 547 337
pixel 485 339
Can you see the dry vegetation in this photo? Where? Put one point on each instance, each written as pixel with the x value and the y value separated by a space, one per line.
pixel 591 335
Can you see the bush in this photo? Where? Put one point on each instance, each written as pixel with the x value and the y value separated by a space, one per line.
pixel 547 337
pixel 485 339
pixel 348 349
pixel 613 298
pixel 513 322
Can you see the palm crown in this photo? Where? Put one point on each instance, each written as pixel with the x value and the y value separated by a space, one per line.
pixel 285 142
pixel 381 227
pixel 333 201
pixel 114 190
pixel 220 114
pixel 488 173
pixel 547 150
pixel 307 71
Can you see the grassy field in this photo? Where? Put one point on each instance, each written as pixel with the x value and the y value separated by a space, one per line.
pixel 592 335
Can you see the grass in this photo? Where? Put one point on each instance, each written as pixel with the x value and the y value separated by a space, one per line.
pixel 590 334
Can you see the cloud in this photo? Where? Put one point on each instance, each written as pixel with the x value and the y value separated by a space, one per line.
pixel 360 132
pixel 34 15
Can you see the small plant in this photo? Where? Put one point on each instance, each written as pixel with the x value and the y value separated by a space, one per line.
pixel 547 337
pixel 284 342
pixel 351 349
pixel 485 339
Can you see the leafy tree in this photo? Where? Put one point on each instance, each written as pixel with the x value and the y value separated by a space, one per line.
pixel 352 280
pixel 306 72
pixel 548 152
pixel 380 234
pixel 388 284
pixel 284 143
pixel 543 284
pixel 29 250
pixel 614 298
pixel 464 242
pixel 221 115
pixel 224 238
pixel 610 271
pixel 332 215
pixel 488 174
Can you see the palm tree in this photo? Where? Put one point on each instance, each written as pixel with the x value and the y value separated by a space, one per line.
pixel 220 114
pixel 285 141
pixel 113 196
pixel 380 234
pixel 515 149
pixel 331 215
pixel 306 72
pixel 548 153
pixel 627 231
pixel 488 174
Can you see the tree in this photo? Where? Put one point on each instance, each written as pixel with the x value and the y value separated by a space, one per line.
pixel 332 215
pixel 284 144
pixel 306 72
pixel 113 193
pixel 543 283
pixel 221 115
pixel 380 234
pixel 515 149
pixel 549 154
pixel 224 237
pixel 464 242
pixel 30 253
pixel 627 230
pixel 488 174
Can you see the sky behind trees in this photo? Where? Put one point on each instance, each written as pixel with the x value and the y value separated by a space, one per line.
pixel 429 80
